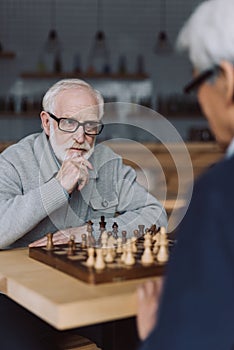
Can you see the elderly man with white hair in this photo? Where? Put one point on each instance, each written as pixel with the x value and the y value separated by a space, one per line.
pixel 197 302
pixel 58 180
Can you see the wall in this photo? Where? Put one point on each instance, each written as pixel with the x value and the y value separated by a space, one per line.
pixel 131 27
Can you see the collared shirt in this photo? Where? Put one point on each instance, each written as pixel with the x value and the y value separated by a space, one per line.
pixel 230 149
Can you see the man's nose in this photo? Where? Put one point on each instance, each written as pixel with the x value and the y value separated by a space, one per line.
pixel 79 134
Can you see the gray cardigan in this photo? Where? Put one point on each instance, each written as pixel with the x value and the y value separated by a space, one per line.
pixel 32 201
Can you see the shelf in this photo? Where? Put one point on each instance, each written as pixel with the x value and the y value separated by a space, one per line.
pixel 27 114
pixel 7 54
pixel 116 76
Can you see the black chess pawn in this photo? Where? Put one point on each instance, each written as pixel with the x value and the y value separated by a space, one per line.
pixel 71 249
pixel 124 237
pixel 102 224
pixel 115 230
pixel 141 230
pixel 91 239
pixel 153 229
pixel 102 228
pixel 136 233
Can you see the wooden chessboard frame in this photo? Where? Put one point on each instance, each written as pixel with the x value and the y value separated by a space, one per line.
pixel 113 272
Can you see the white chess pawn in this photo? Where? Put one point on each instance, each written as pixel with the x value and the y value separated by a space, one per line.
pixel 111 241
pixel 90 261
pixel 133 244
pixel 119 245
pixel 147 256
pixel 109 258
pixel 49 244
pixel 83 240
pixel 99 263
pixel 129 258
pixel 147 235
pixel 104 238
pixel 163 254
pixel 124 253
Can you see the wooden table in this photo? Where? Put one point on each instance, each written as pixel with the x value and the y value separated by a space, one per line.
pixel 59 299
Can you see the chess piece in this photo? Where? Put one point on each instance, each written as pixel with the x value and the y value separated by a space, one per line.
pixel 102 224
pixel 136 233
pixel 119 245
pixel 147 235
pixel 90 261
pixel 91 239
pixel 89 227
pixel 109 256
pixel 141 230
pixel 115 230
pixel 111 241
pixel 129 258
pixel 124 237
pixel 124 253
pixel 133 244
pixel 102 228
pixel 153 229
pixel 147 256
pixel 83 240
pixel 73 242
pixel 49 244
pixel 99 263
pixel 104 242
pixel 163 254
pixel 104 238
pixel 70 250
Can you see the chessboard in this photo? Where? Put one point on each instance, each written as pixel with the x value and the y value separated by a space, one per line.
pixel 111 260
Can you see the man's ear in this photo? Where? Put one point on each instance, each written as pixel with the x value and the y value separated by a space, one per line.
pixel 45 121
pixel 228 75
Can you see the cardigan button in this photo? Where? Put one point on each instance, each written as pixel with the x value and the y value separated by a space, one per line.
pixel 105 203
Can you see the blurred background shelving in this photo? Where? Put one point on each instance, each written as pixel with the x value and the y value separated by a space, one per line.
pixel 124 48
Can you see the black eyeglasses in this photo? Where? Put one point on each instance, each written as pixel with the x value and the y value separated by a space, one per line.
pixel 200 79
pixel 90 127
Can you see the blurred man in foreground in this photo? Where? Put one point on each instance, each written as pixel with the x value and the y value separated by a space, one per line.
pixel 197 304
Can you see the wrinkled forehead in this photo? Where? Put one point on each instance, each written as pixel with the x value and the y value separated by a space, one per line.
pixel 85 113
pixel 79 103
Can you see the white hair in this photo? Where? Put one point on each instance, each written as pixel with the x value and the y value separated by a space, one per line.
pixel 208 35
pixel 48 102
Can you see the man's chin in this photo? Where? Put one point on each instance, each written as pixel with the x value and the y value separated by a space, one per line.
pixel 76 153
pixel 79 153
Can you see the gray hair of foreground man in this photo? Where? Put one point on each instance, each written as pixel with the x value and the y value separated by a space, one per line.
pixel 208 35
pixel 48 102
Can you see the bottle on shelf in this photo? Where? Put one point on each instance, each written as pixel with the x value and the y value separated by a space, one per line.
pixel 52 53
pixel 77 64
pixel 57 63
pixel 122 66
pixel 99 57
pixel 140 65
